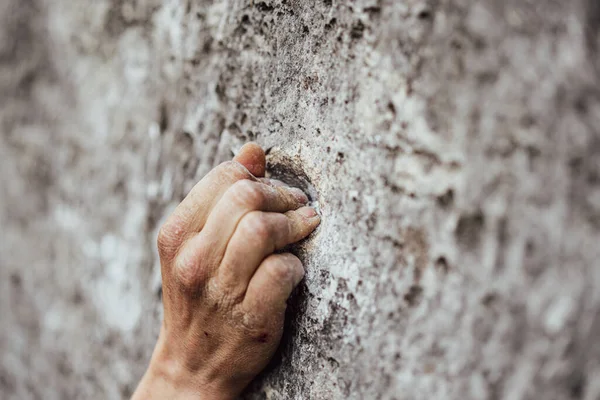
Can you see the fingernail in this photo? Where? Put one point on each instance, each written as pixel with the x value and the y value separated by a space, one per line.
pixel 308 212
pixel 299 195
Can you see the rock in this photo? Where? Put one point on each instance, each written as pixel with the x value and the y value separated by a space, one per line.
pixel 452 147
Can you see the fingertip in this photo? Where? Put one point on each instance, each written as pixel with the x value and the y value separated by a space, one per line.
pixel 309 212
pixel 299 195
pixel 290 263
pixel 296 267
pixel 300 272
pixel 293 260
pixel 253 157
pixel 306 220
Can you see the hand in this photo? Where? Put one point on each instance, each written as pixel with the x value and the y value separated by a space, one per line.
pixel 224 291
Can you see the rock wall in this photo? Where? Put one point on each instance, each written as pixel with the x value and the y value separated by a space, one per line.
pixel 452 146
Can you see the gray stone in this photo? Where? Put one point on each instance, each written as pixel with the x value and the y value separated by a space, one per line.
pixel 452 147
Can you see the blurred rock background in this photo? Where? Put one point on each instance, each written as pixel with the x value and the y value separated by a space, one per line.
pixel 453 147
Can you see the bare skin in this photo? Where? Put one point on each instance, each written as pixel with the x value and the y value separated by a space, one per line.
pixel 224 289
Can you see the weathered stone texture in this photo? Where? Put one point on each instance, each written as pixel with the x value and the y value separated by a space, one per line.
pixel 453 148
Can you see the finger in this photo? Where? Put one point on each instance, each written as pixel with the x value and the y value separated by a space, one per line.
pixel 242 198
pixel 252 156
pixel 190 216
pixel 273 182
pixel 258 235
pixel 272 284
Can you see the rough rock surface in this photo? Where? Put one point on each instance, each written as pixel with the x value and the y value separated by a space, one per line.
pixel 453 148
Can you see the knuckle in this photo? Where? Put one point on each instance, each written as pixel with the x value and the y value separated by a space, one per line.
pixel 234 170
pixel 187 275
pixel 248 193
pixel 190 271
pixel 169 238
pixel 255 225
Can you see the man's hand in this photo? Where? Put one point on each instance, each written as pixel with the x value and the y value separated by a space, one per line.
pixel 224 291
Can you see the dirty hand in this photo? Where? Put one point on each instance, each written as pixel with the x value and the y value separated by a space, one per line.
pixel 224 291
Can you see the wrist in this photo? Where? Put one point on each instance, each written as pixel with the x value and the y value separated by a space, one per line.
pixel 168 378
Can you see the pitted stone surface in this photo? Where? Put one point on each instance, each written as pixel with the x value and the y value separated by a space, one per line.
pixel 452 147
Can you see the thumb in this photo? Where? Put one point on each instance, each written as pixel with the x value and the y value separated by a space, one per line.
pixel 252 156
